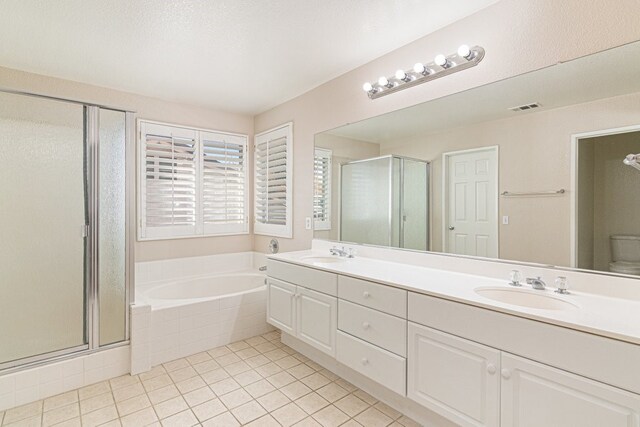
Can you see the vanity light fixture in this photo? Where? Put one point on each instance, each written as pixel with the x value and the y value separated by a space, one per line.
pixel 465 57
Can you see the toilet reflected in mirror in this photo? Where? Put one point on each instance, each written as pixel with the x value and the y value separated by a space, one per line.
pixel 625 254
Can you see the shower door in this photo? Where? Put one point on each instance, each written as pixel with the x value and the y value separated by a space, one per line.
pixel 62 228
pixel 42 218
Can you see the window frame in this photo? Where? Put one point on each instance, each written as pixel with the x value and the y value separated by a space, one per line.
pixel 323 225
pixel 276 230
pixel 198 230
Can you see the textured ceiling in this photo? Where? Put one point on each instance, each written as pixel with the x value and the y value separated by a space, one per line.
pixel 237 55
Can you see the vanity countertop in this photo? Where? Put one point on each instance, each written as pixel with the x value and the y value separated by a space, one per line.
pixel 615 318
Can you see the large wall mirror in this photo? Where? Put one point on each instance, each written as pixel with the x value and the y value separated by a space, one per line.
pixel 526 169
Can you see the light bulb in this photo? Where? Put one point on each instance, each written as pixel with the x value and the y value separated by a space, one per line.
pixel 464 51
pixel 382 81
pixel 419 68
pixel 440 60
pixel 401 75
pixel 367 87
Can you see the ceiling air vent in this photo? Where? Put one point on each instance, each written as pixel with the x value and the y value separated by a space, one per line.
pixel 525 107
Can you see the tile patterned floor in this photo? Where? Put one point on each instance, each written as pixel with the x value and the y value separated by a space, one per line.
pixel 255 382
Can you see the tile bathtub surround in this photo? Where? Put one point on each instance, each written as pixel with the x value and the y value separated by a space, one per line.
pixel 155 271
pixel 255 382
pixel 41 382
pixel 170 333
pixel 161 334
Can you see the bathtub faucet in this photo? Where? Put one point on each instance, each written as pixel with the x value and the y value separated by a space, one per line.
pixel 263 268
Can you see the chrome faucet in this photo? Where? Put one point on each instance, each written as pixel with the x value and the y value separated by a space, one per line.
pixel 335 251
pixel 536 283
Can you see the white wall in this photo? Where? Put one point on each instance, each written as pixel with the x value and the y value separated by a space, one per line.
pixel 518 35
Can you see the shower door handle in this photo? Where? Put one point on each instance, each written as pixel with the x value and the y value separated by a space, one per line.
pixel 451 227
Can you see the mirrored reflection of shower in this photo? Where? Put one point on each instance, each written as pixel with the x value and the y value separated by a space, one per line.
pixel 384 201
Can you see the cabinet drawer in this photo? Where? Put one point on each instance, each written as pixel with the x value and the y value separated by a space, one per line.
pixel 381 297
pixel 373 362
pixel 383 330
pixel 310 278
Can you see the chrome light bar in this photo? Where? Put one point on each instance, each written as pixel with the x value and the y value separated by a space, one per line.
pixel 441 66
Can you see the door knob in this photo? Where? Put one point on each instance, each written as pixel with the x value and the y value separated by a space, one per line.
pixel 451 227
pixel 506 374
pixel 365 361
pixel 491 368
pixel 365 325
pixel 366 294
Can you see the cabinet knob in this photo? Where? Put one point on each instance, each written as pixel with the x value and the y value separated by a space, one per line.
pixel 506 374
pixel 365 325
pixel 365 361
pixel 491 368
pixel 366 294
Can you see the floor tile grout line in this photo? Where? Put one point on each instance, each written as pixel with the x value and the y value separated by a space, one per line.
pixel 288 352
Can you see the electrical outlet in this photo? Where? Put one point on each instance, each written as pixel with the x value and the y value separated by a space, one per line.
pixel 307 223
pixel 505 220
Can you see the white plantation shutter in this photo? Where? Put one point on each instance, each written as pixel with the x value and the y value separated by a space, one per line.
pixel 224 180
pixel 192 182
pixel 168 181
pixel 322 189
pixel 273 174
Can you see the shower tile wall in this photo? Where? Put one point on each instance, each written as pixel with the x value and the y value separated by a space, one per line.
pixel 45 381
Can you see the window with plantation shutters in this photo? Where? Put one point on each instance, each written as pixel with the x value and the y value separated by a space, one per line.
pixel 272 182
pixel 224 204
pixel 322 189
pixel 191 182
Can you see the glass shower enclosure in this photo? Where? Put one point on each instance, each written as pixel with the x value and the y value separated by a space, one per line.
pixel 65 256
pixel 384 201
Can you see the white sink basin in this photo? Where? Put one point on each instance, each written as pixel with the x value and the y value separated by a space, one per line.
pixel 526 298
pixel 322 259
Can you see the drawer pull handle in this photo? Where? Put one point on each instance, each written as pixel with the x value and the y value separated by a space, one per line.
pixel 365 361
pixel 366 294
pixel 506 374
pixel 365 325
pixel 491 368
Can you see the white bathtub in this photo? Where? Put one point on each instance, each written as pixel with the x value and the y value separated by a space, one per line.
pixel 194 289
pixel 193 314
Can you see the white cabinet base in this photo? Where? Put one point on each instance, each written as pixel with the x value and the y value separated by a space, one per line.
pixel 280 305
pixel 537 395
pixel 422 415
pixel 454 377
pixel 317 319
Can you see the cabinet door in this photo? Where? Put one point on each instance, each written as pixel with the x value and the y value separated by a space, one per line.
pixel 537 395
pixel 457 378
pixel 316 319
pixel 281 305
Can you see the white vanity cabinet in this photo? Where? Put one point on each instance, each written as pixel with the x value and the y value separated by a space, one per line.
pixel 537 395
pixel 316 319
pixel 454 377
pixel 301 302
pixel 281 305
pixel 474 384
